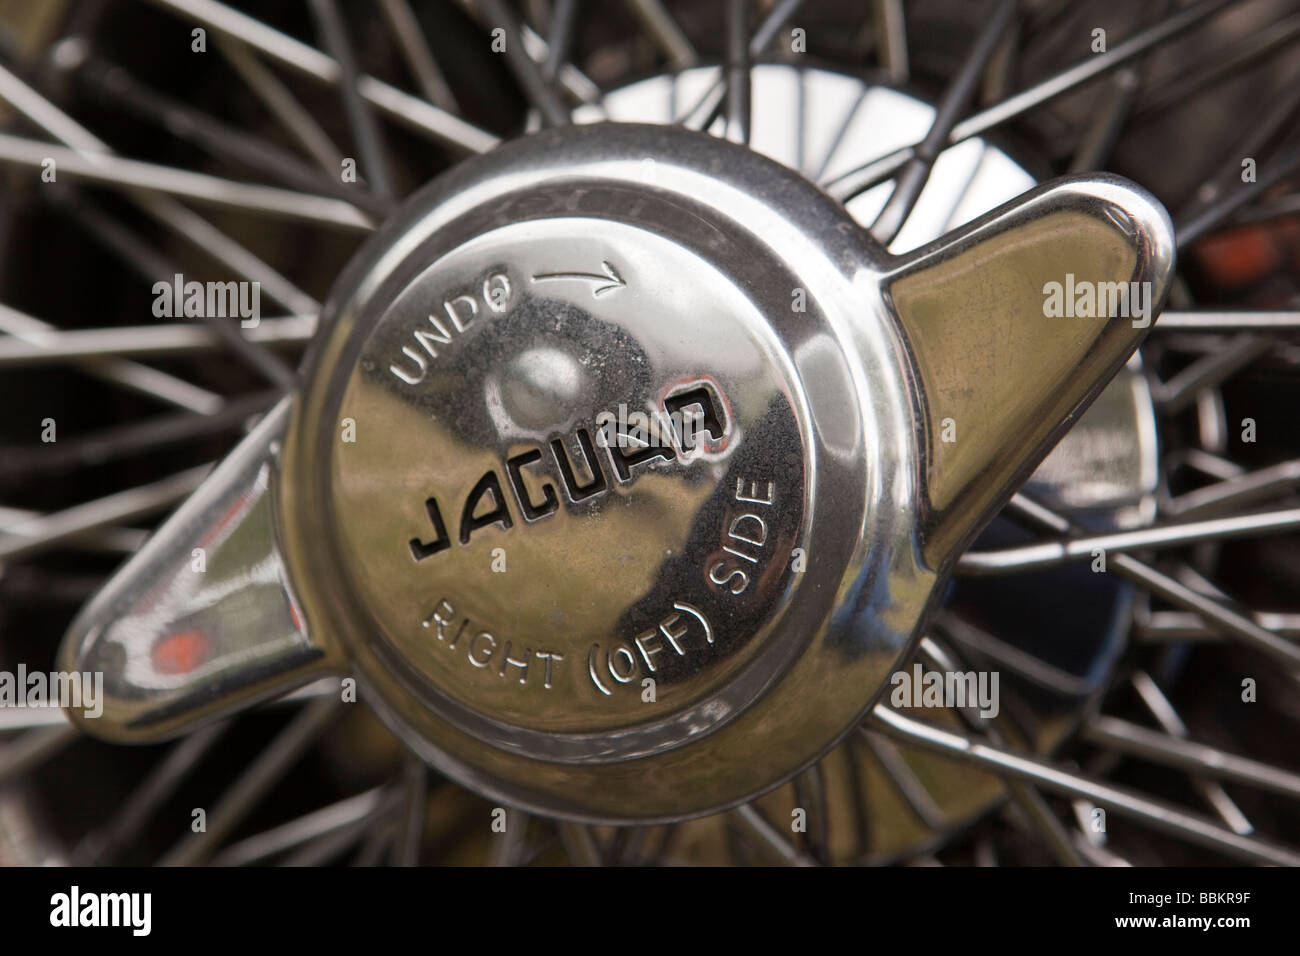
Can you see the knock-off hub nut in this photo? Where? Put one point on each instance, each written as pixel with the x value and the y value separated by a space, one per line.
pixel 620 476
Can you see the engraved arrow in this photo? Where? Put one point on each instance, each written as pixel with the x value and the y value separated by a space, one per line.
pixel 607 280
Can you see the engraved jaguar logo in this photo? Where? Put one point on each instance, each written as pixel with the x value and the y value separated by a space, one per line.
pixel 686 413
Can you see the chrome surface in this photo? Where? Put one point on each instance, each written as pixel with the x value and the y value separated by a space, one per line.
pixel 503 582
pixel 202 619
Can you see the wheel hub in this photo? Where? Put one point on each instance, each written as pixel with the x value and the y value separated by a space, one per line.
pixel 598 396
pixel 621 477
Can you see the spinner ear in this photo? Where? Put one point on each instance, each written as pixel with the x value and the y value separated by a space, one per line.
pixel 202 621
pixel 1014 324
